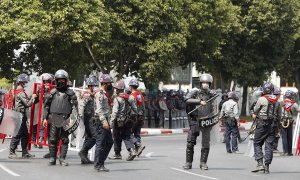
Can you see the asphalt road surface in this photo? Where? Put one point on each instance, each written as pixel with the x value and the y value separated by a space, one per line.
pixel 162 159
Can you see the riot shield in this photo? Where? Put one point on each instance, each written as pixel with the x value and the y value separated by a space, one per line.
pixel 71 124
pixel 10 121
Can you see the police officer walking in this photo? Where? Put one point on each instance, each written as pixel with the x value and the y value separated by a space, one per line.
pixel 137 99
pixel 230 113
pixel 104 140
pixel 122 123
pixel 267 110
pixel 194 98
pixel 22 102
pixel 87 112
pixel 290 109
pixel 59 105
pixel 277 125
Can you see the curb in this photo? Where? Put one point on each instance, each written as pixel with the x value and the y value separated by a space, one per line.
pixel 153 131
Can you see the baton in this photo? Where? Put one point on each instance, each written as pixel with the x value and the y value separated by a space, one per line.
pixel 201 105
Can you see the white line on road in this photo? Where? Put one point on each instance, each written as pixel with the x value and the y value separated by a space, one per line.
pixel 165 136
pixel 148 155
pixel 180 170
pixel 8 170
pixel 1 150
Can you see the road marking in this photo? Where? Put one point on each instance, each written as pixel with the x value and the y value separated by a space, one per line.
pixel 187 172
pixel 148 155
pixel 8 170
pixel 1 150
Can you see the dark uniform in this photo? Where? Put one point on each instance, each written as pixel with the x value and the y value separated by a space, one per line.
pixel 267 110
pixel 86 110
pixel 122 123
pixel 59 105
pixel 104 140
pixel 200 120
pixel 230 113
pixel 21 102
pixel 289 110
pixel 137 100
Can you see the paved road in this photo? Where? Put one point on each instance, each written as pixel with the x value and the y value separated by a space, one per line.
pixel 163 159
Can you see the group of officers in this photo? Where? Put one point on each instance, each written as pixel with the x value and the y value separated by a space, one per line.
pixel 98 107
pixel 123 112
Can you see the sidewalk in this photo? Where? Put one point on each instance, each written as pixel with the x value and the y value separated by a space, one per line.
pixel 154 131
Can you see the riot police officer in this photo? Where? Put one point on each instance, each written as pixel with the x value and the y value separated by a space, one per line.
pixel 277 125
pixel 230 113
pixel 47 79
pixel 199 121
pixel 136 99
pixel 267 110
pixel 290 109
pixel 86 112
pixel 122 123
pixel 104 140
pixel 22 102
pixel 59 105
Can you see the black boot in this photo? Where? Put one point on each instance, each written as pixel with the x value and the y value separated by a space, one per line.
pixel 139 149
pixel 52 161
pixel 63 154
pixel 102 168
pixel 12 154
pixel 131 155
pixel 267 171
pixel 260 166
pixel 116 156
pixel 84 159
pixel 203 159
pixel 26 155
pixel 189 158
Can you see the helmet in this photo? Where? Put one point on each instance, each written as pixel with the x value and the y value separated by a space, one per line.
pixel 232 95
pixel 224 95
pixel 119 85
pixel 268 88
pixel 289 94
pixel 61 74
pixel 277 91
pixel 105 78
pixel 22 78
pixel 134 82
pixel 127 90
pixel 46 77
pixel 206 78
pixel 92 81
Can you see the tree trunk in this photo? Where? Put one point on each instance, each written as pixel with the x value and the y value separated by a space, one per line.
pixel 244 103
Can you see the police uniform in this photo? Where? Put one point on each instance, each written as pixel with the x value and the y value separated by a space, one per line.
pixel 86 110
pixel 104 140
pixel 290 109
pixel 122 125
pixel 199 121
pixel 22 102
pixel 59 106
pixel 230 113
pixel 267 111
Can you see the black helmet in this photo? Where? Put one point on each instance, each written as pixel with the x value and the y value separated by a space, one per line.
pixel 232 95
pixel 289 94
pixel 224 95
pixel 61 74
pixel 268 88
pixel 277 91
pixel 92 81
pixel 22 78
